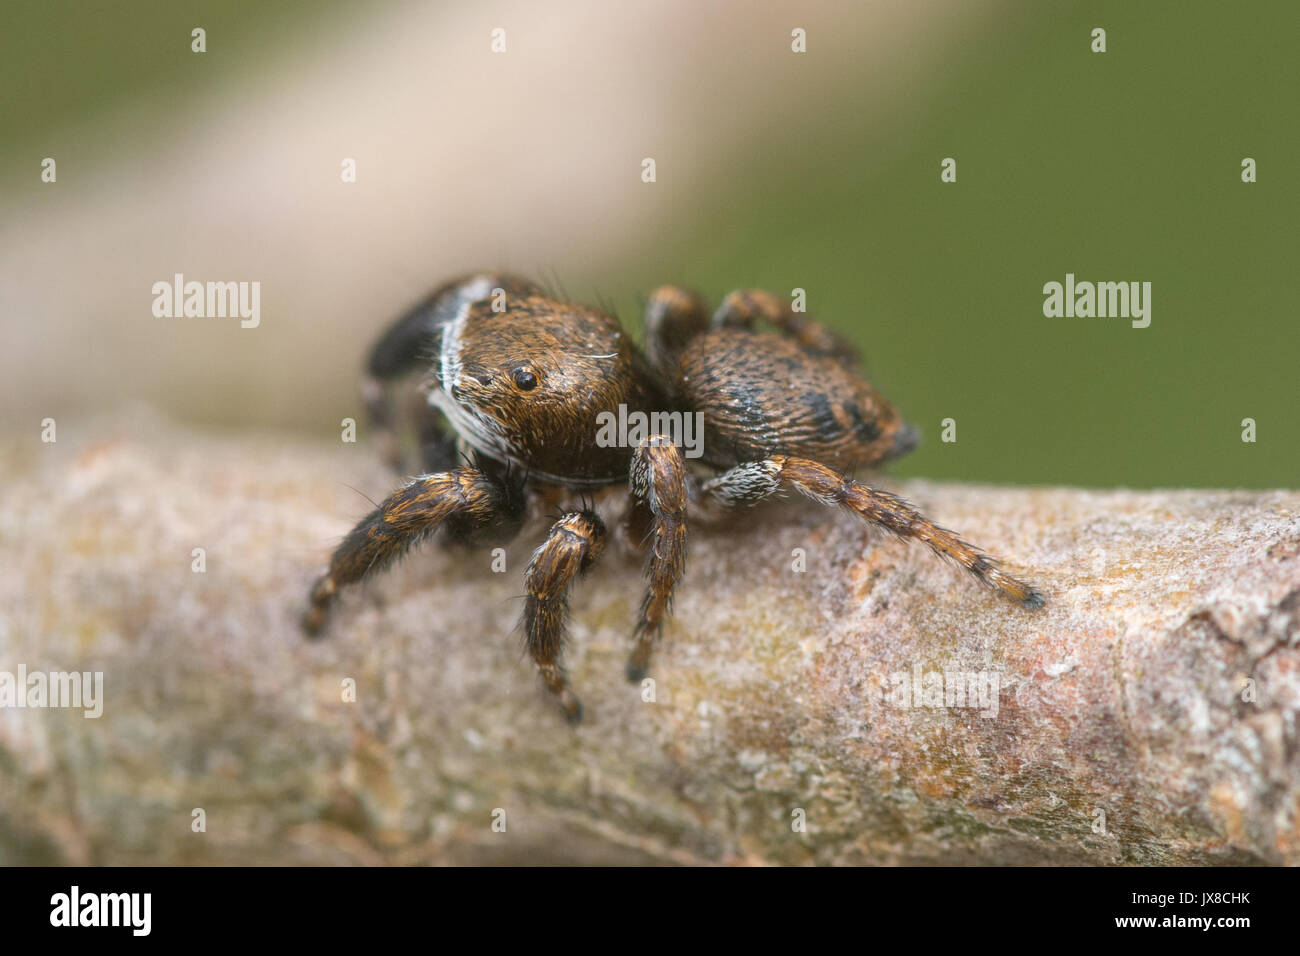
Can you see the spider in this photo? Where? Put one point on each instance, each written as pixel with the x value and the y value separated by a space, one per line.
pixel 521 378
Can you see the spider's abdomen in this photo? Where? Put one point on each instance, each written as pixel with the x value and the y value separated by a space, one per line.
pixel 763 395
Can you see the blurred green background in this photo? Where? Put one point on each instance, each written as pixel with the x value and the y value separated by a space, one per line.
pixel 1118 166
pixel 1123 165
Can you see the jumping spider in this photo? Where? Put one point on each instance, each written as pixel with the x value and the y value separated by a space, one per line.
pixel 521 378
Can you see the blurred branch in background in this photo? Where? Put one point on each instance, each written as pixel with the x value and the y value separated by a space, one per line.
pixel 818 170
pixel 529 160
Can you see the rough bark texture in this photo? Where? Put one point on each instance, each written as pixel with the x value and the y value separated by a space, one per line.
pixel 1120 736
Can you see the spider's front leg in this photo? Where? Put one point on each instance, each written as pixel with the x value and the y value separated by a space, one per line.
pixel 753 481
pixel 658 480
pixel 400 350
pixel 465 496
pixel 574 543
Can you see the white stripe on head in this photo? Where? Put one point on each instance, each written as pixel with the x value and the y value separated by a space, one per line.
pixel 475 290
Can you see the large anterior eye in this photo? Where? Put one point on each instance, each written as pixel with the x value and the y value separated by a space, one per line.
pixel 524 378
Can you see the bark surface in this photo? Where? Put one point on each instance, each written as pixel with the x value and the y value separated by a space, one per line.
pixel 1147 715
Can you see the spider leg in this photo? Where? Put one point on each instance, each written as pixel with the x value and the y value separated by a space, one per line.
pixel 658 479
pixel 379 415
pixel 672 316
pixel 753 481
pixel 405 518
pixel 436 442
pixel 744 307
pixel 574 543
pixel 435 438
pixel 400 350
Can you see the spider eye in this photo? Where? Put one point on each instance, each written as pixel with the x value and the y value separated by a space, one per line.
pixel 524 378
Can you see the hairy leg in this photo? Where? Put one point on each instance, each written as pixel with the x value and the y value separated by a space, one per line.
pixel 574 543
pixel 437 442
pixel 405 344
pixel 753 481
pixel 405 518
pixel 658 480
pixel 672 316
pixel 379 415
pixel 744 307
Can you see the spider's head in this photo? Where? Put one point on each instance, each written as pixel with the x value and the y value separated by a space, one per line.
pixel 525 385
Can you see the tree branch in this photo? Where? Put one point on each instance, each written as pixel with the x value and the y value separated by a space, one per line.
pixel 1147 715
